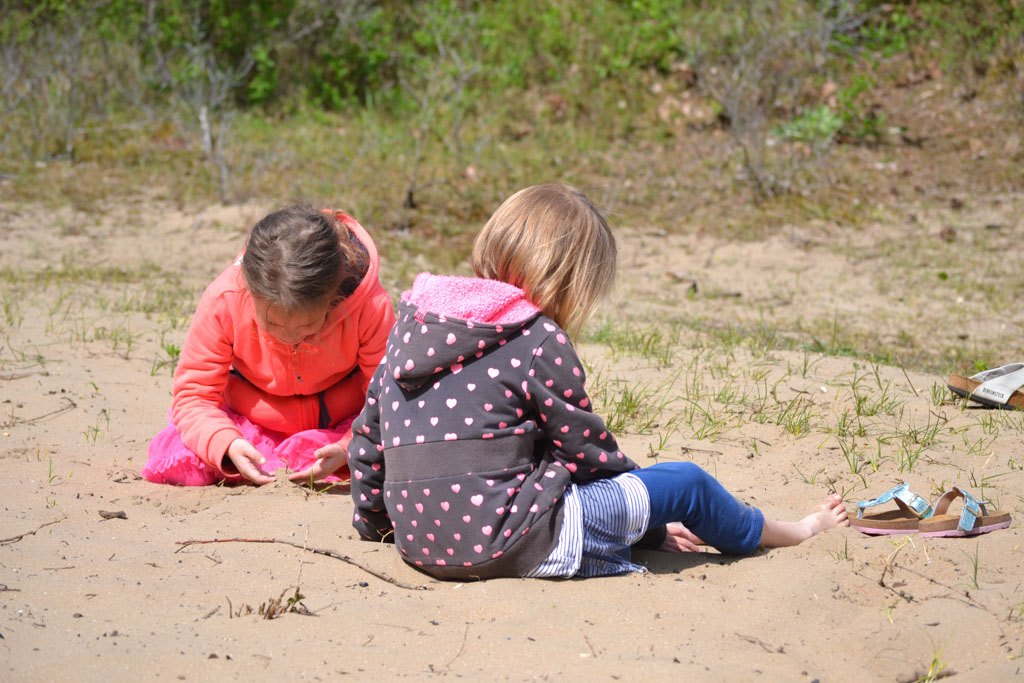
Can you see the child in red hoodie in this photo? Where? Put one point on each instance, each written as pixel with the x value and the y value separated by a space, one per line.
pixel 277 359
pixel 477 452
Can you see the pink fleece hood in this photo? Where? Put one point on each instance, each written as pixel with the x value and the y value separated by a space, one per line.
pixel 489 302
pixel 445 321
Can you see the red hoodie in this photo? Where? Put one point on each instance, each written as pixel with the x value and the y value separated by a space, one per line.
pixel 281 381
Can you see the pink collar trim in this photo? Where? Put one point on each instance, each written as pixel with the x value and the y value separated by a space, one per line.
pixel 470 298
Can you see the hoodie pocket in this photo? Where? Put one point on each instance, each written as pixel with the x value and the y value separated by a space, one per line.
pixel 468 519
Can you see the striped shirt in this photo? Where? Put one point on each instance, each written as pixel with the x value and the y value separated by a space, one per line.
pixel 601 520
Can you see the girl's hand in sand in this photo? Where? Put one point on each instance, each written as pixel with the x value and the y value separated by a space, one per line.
pixel 329 459
pixel 680 540
pixel 247 460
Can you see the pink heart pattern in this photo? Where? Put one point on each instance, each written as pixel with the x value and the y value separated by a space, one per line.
pixel 528 384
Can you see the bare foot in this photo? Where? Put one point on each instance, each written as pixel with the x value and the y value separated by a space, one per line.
pixel 828 515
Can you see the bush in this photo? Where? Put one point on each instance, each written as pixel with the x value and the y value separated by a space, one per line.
pixel 461 73
pixel 755 59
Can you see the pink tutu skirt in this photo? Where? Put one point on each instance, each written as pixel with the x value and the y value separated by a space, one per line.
pixel 171 462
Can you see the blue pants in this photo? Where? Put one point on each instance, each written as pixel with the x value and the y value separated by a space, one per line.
pixel 683 492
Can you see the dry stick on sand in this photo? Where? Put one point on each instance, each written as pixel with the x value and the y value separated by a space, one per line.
pixel 462 648
pixel 316 551
pixel 952 591
pixel 68 405
pixel 10 376
pixel 900 361
pixel 15 539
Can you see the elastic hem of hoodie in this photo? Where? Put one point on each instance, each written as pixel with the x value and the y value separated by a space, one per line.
pixel 515 563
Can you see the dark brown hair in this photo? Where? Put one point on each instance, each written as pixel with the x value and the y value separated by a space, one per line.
pixel 300 257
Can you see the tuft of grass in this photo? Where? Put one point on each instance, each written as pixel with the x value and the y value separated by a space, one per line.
pixel 121 338
pixel 95 431
pixel 274 607
pixel 796 415
pixel 937 670
pixel 975 563
pixel 813 479
pixel 841 554
pixel 850 454
pixel 835 345
pixel 941 395
pixel 10 308
pixel 702 420
pixel 173 352
pixel 650 343
pixel 52 476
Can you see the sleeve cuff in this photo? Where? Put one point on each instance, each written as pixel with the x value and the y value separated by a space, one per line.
pixel 217 448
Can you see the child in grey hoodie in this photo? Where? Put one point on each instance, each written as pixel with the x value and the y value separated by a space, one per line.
pixel 477 452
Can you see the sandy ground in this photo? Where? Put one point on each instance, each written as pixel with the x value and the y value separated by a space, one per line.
pixel 89 302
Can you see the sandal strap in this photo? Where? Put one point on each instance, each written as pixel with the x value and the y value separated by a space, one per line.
pixel 973 508
pixel 904 497
pixel 999 384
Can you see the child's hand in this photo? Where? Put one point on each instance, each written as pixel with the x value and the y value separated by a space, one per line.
pixel 680 540
pixel 247 459
pixel 329 459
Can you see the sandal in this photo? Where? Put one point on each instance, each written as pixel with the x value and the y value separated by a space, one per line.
pixel 974 519
pixel 996 388
pixel 905 520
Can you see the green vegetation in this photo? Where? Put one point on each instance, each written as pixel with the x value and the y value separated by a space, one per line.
pixel 453 102
pixel 419 117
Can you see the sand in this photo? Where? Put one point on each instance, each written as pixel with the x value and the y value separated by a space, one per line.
pixel 87 595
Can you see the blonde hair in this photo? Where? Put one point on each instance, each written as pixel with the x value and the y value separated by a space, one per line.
pixel 552 242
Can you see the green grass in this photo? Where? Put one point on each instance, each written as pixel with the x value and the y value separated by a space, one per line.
pixel 649 343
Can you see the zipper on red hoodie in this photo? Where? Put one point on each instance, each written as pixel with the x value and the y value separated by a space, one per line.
pixel 310 405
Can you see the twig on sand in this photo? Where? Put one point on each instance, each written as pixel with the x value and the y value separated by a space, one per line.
pixel 68 405
pixel 15 539
pixel 462 648
pixel 316 551
pixel 952 592
pixel 690 449
pixel 900 361
pixel 763 645
pixel 10 376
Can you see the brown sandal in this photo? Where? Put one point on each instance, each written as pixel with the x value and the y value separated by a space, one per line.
pixel 974 519
pixel 996 388
pixel 906 520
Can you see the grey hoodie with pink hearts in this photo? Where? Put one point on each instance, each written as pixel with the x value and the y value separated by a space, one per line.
pixel 475 423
